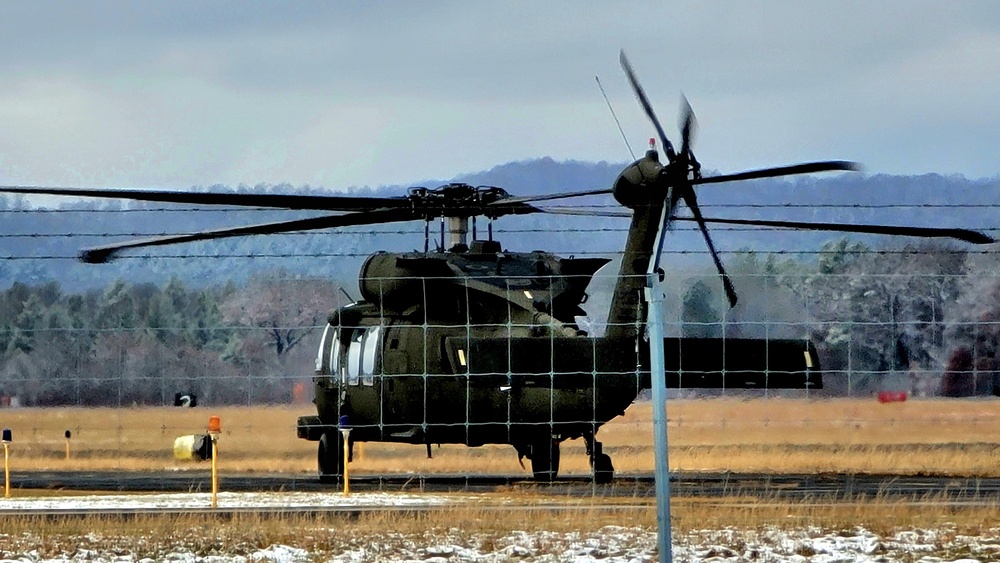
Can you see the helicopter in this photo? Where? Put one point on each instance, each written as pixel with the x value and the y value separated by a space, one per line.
pixel 475 344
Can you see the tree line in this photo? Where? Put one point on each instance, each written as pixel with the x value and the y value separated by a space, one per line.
pixel 142 343
pixel 921 318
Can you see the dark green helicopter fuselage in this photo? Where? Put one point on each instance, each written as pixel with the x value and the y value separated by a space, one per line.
pixel 471 348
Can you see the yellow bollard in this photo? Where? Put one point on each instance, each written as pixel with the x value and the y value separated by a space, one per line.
pixel 214 429
pixel 68 436
pixel 346 432
pixel 6 470
pixel 215 473
pixel 6 462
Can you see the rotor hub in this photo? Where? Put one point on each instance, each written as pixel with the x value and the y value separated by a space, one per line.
pixel 455 200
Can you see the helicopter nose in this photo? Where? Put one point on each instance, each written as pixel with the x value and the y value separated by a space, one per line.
pixel 637 184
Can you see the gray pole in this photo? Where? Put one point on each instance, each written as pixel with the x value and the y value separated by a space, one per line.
pixel 654 296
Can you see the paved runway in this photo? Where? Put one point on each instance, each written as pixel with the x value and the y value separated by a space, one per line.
pixel 828 487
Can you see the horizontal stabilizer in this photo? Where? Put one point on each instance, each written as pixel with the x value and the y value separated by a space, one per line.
pixel 583 363
pixel 741 363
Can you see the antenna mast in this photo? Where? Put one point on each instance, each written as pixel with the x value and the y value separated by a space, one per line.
pixel 620 130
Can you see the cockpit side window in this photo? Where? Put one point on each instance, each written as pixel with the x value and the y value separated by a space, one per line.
pixel 323 343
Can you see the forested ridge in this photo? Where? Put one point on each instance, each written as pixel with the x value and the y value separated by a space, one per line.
pixel 236 321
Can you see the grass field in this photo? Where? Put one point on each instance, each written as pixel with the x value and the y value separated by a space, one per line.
pixel 780 435
pixel 933 436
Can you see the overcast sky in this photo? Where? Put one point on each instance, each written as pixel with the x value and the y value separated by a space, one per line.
pixel 338 94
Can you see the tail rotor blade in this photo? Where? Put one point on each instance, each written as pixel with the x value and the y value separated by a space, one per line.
pixel 689 123
pixel 692 203
pixel 681 169
pixel 646 106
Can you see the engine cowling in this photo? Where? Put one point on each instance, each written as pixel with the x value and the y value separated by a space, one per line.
pixel 637 184
pixel 392 284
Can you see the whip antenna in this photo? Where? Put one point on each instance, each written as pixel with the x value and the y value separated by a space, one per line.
pixel 620 130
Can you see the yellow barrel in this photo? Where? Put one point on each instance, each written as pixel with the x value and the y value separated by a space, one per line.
pixel 184 447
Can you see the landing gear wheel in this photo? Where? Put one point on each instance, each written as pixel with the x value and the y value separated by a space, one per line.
pixel 604 471
pixel 545 460
pixel 331 457
pixel 600 462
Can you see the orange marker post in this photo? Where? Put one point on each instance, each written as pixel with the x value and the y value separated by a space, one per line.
pixel 214 429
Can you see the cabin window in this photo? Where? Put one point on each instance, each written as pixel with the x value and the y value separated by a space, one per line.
pixel 335 356
pixel 354 357
pixel 362 356
pixel 368 360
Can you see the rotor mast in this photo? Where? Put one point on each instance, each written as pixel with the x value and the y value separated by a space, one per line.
pixel 454 232
pixel 457 231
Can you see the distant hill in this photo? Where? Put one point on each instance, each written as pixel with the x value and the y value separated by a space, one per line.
pixel 38 245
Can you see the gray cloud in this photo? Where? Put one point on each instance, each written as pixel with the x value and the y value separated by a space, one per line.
pixel 346 93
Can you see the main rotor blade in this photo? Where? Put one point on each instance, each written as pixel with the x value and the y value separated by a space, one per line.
pixel 102 254
pixel 804 168
pixel 585 212
pixel 965 235
pixel 646 106
pixel 548 197
pixel 692 202
pixel 278 201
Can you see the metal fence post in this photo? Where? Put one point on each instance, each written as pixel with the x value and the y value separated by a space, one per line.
pixel 654 296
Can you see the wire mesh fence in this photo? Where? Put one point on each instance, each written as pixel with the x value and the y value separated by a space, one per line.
pixel 108 380
pixel 466 367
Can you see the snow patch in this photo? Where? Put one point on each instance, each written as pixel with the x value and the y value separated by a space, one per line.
pixel 228 500
pixel 609 544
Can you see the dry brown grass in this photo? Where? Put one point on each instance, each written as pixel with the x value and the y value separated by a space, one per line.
pixel 718 434
pixel 260 439
pixel 204 532
pixel 781 435
pixel 831 435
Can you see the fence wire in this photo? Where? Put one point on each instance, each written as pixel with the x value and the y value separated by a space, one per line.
pixel 905 341
pixel 124 386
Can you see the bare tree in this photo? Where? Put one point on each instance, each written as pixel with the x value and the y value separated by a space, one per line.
pixel 284 309
pixel 880 315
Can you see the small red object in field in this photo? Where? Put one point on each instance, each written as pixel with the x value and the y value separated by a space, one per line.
pixel 891 396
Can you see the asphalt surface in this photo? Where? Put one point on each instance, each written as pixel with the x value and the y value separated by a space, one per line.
pixel 797 487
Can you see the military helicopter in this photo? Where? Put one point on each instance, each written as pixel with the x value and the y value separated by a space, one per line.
pixel 475 344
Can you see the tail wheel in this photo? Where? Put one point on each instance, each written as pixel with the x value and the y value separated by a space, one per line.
pixel 545 460
pixel 331 457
